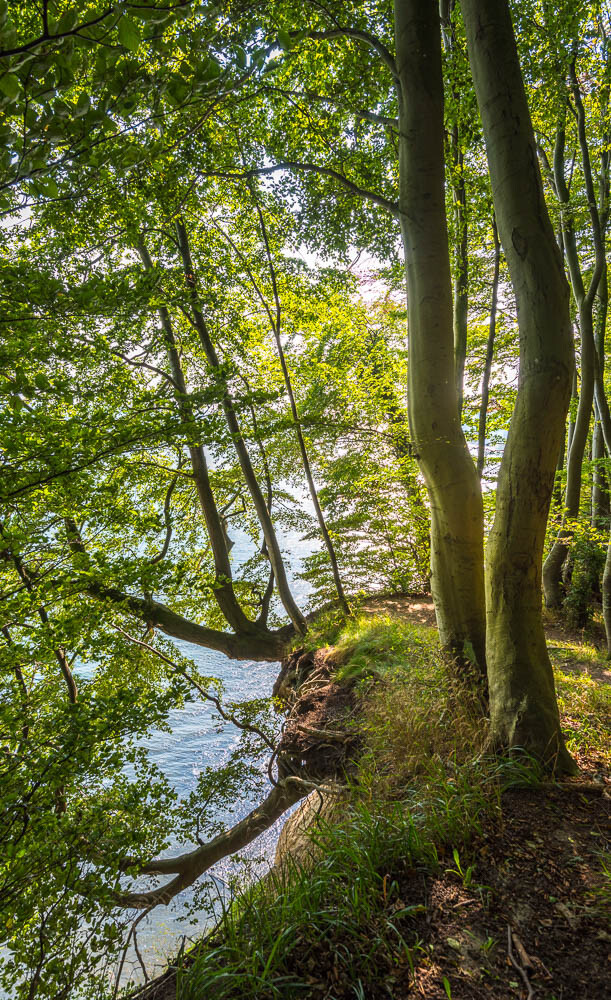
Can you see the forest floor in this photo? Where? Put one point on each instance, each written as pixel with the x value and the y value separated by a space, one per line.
pixel 526 914
pixel 520 909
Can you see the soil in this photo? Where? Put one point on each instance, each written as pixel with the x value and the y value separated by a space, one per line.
pixel 537 877
pixel 318 731
pixel 530 917
pixel 418 608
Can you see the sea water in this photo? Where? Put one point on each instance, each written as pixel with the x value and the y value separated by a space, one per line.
pixel 192 744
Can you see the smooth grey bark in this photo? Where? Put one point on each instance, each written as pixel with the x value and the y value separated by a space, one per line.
pixel 457 579
pixel 459 192
pixel 523 706
pixel 483 409
pixel 197 318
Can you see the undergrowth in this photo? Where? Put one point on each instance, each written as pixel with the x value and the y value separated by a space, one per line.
pixel 425 785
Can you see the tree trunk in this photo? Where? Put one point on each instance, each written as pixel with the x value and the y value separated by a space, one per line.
pixel 600 489
pixel 552 569
pixel 459 191
pixel 275 319
pixel 557 495
pixel 601 509
pixel 269 533
pixel 457 580
pixel 523 706
pixel 483 409
pixel 223 589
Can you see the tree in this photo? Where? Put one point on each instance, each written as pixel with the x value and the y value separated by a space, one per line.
pixel 523 704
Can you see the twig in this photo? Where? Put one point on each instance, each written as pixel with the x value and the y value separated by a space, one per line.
pixel 517 965
pixel 227 716
pixel 140 959
pixel 525 958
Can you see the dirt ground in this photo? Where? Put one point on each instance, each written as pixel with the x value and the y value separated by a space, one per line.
pixel 529 920
pixel 533 917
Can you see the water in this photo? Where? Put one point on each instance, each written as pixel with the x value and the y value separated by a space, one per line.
pixel 192 745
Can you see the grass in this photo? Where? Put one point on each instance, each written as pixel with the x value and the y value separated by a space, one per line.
pixel 584 703
pixel 424 786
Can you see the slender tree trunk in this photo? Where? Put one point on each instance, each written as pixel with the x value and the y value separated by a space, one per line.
pixel 276 320
pixel 585 299
pixel 552 568
pixel 600 490
pixel 459 191
pixel 524 711
pixel 456 505
pixel 27 578
pixel 557 495
pixel 223 589
pixel 483 409
pixel 398 426
pixel 305 459
pixel 402 447
pixel 601 509
pixel 605 423
pixel 273 548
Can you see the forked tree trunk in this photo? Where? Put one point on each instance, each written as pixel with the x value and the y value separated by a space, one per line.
pixel 263 515
pixel 457 580
pixel 223 589
pixel 523 706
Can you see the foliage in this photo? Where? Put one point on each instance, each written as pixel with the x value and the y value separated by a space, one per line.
pixel 269 133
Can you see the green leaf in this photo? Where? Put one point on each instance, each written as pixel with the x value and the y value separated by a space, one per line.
pixel 10 85
pixel 284 39
pixel 67 22
pixel 48 187
pixel 82 106
pixel 129 34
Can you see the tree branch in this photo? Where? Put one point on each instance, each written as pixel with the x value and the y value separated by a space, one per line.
pixel 376 199
pixel 227 716
pixel 189 867
pixel 359 36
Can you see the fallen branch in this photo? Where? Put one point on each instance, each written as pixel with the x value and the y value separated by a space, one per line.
pixel 324 734
pixel 517 966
